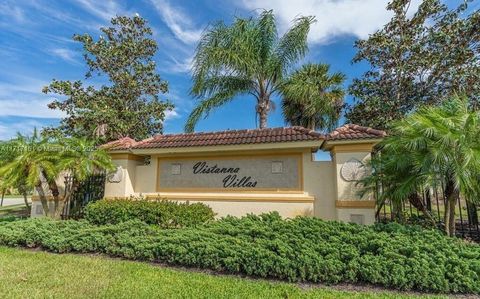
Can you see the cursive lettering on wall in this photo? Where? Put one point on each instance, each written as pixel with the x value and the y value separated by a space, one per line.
pixel 203 167
pixel 231 180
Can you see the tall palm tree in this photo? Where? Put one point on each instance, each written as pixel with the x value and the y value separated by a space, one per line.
pixel 312 98
pixel 80 158
pixel 247 57
pixel 435 146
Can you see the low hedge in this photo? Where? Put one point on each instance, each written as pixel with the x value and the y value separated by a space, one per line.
pixel 8 218
pixel 166 214
pixel 298 250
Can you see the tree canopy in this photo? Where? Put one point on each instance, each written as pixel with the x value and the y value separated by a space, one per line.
pixel 312 98
pixel 245 58
pixel 417 59
pixel 130 105
pixel 433 147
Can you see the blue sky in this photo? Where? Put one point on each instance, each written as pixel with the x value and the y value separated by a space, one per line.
pixel 36 46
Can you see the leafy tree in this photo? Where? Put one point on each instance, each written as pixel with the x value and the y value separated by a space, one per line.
pixel 312 98
pixel 246 57
pixel 433 147
pixel 415 60
pixel 130 105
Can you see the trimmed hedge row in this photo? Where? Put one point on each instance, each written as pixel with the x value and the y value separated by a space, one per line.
pixel 300 249
pixel 166 214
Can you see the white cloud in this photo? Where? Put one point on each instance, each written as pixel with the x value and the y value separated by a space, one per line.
pixel 180 66
pixel 103 9
pixel 28 107
pixel 65 54
pixel 171 114
pixel 334 17
pixel 22 96
pixel 11 11
pixel 24 127
pixel 177 21
pixel 20 84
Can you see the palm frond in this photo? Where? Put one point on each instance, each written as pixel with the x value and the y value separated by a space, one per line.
pixel 312 98
pixel 293 45
pixel 205 106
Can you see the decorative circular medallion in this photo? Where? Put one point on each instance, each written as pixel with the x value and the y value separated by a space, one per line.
pixel 353 170
pixel 117 176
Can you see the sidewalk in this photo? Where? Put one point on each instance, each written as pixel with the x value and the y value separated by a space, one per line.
pixel 12 201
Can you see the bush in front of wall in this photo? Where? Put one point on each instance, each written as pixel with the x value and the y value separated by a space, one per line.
pixel 166 214
pixel 299 250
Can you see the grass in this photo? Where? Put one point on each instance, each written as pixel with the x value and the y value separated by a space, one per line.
pixel 435 210
pixel 36 274
pixel 19 210
pixel 14 196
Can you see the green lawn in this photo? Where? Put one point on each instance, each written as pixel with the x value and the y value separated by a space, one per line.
pixel 15 210
pixel 13 196
pixel 36 274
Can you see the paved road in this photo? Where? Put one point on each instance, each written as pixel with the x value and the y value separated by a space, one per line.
pixel 8 201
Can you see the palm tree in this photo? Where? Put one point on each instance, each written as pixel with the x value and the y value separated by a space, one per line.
pixel 312 98
pixel 435 146
pixel 29 164
pixel 38 160
pixel 80 158
pixel 247 57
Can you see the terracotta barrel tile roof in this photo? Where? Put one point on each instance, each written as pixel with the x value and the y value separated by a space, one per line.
pixel 232 137
pixel 122 143
pixel 237 137
pixel 350 132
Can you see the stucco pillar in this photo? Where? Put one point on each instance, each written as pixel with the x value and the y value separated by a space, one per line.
pixel 122 183
pixel 350 164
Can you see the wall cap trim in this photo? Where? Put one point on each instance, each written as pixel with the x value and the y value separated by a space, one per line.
pixel 229 198
pixel 359 204
pixel 49 198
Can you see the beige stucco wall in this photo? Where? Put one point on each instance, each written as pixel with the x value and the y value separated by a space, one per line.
pixel 242 208
pixel 360 216
pixel 126 187
pixel 349 203
pixel 319 182
pixel 322 188
pixel 347 190
pixel 146 177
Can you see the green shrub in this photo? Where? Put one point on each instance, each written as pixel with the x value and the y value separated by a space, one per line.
pixel 166 214
pixel 300 249
pixel 9 218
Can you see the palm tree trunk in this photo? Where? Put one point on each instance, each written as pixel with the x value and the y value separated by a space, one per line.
pixel 52 185
pixel 263 106
pixel 23 191
pixel 397 211
pixel 66 199
pixel 43 198
pixel 263 117
pixel 449 217
pixel 3 196
pixel 25 199
pixel 60 207
pixel 453 201
pixel 416 201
